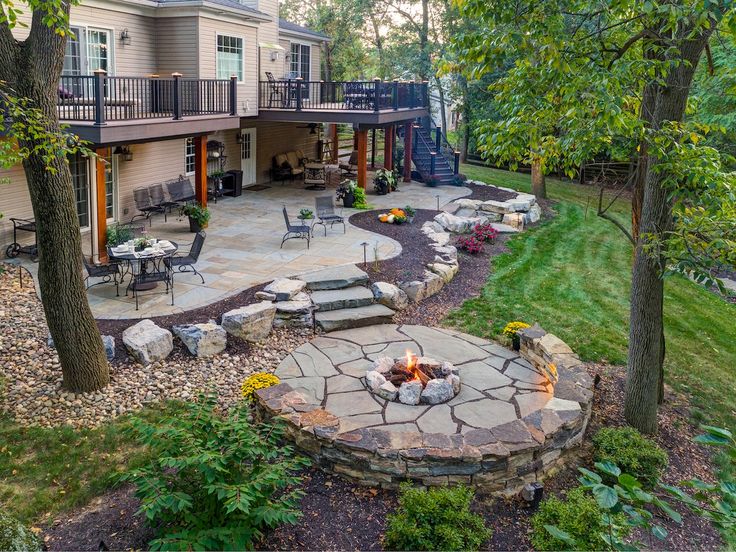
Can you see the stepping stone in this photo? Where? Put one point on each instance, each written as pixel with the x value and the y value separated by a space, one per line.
pixel 353 318
pixel 348 298
pixel 485 413
pixel 437 419
pixel 337 277
pixel 349 404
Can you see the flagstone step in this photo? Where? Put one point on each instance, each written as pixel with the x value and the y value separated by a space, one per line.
pixel 346 298
pixel 335 277
pixel 343 319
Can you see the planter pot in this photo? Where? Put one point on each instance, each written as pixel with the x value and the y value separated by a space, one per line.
pixel 409 219
pixel 348 200
pixel 194 225
pixel 381 187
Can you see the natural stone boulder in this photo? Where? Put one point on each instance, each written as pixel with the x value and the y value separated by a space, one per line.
pixel 522 202
pixel 445 271
pixel 387 391
pixel 465 203
pixel 515 220
pixel 437 391
pixel 202 340
pixel 147 342
pixel 494 206
pixel 252 322
pixel 504 228
pixel 265 296
pixel 534 214
pixel 285 288
pixel 419 290
pixel 410 392
pixel 374 380
pixel 440 238
pixel 390 295
pixel 433 283
pixel 431 227
pixel 295 313
pixel 458 225
pixel 466 213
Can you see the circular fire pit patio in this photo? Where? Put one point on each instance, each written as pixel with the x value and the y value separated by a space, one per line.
pixel 514 418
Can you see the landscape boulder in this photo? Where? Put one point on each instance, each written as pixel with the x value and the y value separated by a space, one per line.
pixel 296 312
pixel 285 288
pixel 202 340
pixel 445 271
pixel 390 295
pixel 252 322
pixel 147 342
pixel 437 391
pixel 455 224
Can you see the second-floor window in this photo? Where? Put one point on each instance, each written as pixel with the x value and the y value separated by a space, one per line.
pixel 229 57
pixel 189 156
pixel 300 63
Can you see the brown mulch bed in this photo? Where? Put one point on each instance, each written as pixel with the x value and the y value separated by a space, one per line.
pixel 342 516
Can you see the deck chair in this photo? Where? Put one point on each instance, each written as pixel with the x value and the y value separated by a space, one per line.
pixel 144 204
pixel 159 200
pixel 274 90
pixel 180 190
pixel 185 263
pixel 351 167
pixel 109 272
pixel 295 230
pixel 325 209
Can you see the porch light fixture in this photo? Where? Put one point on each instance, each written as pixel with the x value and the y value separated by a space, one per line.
pixel 125 37
pixel 124 152
pixel 274 55
pixel 239 138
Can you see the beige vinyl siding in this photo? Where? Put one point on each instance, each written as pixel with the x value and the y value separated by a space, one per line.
pixel 247 90
pixel 316 56
pixel 14 202
pixel 274 138
pixel 177 46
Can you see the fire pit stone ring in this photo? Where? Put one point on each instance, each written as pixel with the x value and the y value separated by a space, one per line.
pixel 517 415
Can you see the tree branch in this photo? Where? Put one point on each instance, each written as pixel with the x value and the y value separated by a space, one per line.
pixel 645 33
pixel 709 57
pixel 604 215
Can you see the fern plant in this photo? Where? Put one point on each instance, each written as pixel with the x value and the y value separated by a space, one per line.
pixel 214 482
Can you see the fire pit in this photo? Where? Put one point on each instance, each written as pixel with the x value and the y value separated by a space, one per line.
pixel 413 380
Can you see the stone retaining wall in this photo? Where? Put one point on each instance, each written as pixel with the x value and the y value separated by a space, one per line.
pixel 499 460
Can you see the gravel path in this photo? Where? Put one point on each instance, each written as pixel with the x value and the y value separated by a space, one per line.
pixel 32 373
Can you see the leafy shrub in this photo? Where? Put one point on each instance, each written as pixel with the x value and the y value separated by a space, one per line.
pixel 631 452
pixel 15 537
pixel 432 180
pixel 117 234
pixel 435 519
pixel 485 232
pixel 361 200
pixel 573 523
pixel 214 482
pixel 471 244
pixel 254 382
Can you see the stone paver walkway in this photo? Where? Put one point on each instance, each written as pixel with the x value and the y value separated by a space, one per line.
pixel 498 386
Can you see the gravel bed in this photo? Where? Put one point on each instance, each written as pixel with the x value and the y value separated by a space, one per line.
pixel 32 374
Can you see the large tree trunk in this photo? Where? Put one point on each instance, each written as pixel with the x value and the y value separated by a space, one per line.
pixel 646 334
pixel 32 69
pixel 539 184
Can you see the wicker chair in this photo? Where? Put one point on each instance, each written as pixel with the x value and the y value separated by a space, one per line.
pixel 295 230
pixel 325 209
pixel 185 263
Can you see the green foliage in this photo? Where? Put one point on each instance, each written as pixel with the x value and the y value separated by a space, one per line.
pixel 306 214
pixel 214 482
pixel 117 234
pixel 196 212
pixel 435 519
pixel 573 523
pixel 361 200
pixel 630 451
pixel 15 537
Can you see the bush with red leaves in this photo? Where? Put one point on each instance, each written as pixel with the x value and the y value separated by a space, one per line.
pixel 471 244
pixel 485 233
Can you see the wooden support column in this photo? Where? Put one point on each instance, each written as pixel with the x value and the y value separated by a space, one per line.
pixel 361 140
pixel 408 134
pixel 388 148
pixel 101 207
pixel 335 143
pixel 200 169
pixel 373 148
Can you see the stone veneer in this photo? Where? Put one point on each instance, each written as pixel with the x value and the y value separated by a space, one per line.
pixel 523 417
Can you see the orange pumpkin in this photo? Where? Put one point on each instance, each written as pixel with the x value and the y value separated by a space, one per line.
pixel 383 218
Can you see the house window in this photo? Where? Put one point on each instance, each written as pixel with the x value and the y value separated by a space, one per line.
pixel 78 166
pixel 189 156
pixel 229 57
pixel 301 61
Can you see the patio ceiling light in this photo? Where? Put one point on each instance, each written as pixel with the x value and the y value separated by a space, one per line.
pixel 124 151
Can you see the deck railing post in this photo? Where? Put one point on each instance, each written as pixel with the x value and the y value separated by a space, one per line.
pixel 177 96
pixel 299 83
pixel 99 90
pixel 412 94
pixel 432 162
pixel 376 94
pixel 438 139
pixel 425 93
pixel 457 162
pixel 233 95
pixel 396 94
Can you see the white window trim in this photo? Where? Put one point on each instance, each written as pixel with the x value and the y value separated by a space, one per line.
pixel 185 158
pixel 113 38
pixel 231 35
pixel 308 45
pixel 116 189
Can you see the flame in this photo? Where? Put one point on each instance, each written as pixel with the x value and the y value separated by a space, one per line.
pixel 411 364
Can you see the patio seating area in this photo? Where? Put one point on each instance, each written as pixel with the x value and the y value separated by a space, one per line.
pixel 243 247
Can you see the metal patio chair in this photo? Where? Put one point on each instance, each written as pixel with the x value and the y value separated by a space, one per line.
pixel 325 209
pixel 275 90
pixel 295 230
pixel 150 271
pixel 109 272
pixel 159 200
pixel 145 205
pixel 185 263
pixel 180 190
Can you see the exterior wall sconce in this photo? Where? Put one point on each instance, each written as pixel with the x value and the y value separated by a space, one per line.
pixel 124 151
pixel 287 57
pixel 274 55
pixel 239 137
pixel 125 37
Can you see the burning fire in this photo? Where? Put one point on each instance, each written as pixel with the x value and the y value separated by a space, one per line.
pixel 411 366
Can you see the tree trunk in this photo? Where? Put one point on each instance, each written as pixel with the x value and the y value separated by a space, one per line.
pixel 425 62
pixel 465 122
pixel 32 70
pixel 539 185
pixel 646 333
pixel 441 94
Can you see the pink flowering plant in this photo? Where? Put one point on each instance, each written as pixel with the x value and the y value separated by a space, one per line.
pixel 471 244
pixel 485 233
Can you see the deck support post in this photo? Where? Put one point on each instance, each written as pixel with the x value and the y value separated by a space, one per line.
pixel 200 169
pixel 373 148
pixel 100 205
pixel 388 148
pixel 408 134
pixel 361 136
pixel 335 143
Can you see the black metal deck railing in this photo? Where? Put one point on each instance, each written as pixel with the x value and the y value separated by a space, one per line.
pixel 101 98
pixel 301 95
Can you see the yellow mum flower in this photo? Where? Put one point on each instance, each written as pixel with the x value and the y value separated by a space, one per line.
pixel 513 328
pixel 254 382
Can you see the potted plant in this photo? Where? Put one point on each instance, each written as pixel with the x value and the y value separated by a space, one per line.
pixel 410 213
pixel 346 192
pixel 384 182
pixel 511 330
pixel 432 180
pixel 305 214
pixel 115 235
pixel 199 216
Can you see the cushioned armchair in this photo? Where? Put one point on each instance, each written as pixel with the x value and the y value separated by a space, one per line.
pixel 288 165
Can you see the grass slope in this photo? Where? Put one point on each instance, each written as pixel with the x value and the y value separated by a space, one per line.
pixel 572 275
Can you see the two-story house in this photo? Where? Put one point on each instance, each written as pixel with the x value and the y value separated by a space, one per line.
pixel 150 83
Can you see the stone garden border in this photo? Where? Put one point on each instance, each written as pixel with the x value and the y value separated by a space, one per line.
pixel 499 460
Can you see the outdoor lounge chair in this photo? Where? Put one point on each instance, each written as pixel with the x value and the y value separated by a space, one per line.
pixel 158 199
pixel 145 205
pixel 185 263
pixel 325 209
pixel 351 167
pixel 109 272
pixel 295 230
pixel 180 190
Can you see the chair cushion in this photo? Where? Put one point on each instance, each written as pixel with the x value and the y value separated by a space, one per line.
pixel 293 159
pixel 280 159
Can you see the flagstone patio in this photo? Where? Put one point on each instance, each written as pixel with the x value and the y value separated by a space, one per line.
pixel 242 246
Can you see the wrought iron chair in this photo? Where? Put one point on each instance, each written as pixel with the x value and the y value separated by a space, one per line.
pixel 295 230
pixel 351 167
pixel 148 271
pixel 180 189
pixel 274 90
pixel 185 263
pixel 109 272
pixel 325 209
pixel 159 200
pixel 144 204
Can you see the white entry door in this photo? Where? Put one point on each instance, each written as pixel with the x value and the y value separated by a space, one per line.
pixel 248 155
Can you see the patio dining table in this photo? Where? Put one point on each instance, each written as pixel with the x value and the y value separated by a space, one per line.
pixel 155 255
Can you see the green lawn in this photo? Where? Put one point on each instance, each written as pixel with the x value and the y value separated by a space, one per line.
pixel 572 275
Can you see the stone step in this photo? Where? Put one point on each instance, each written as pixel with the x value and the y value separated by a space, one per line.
pixel 335 277
pixel 347 298
pixel 344 319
